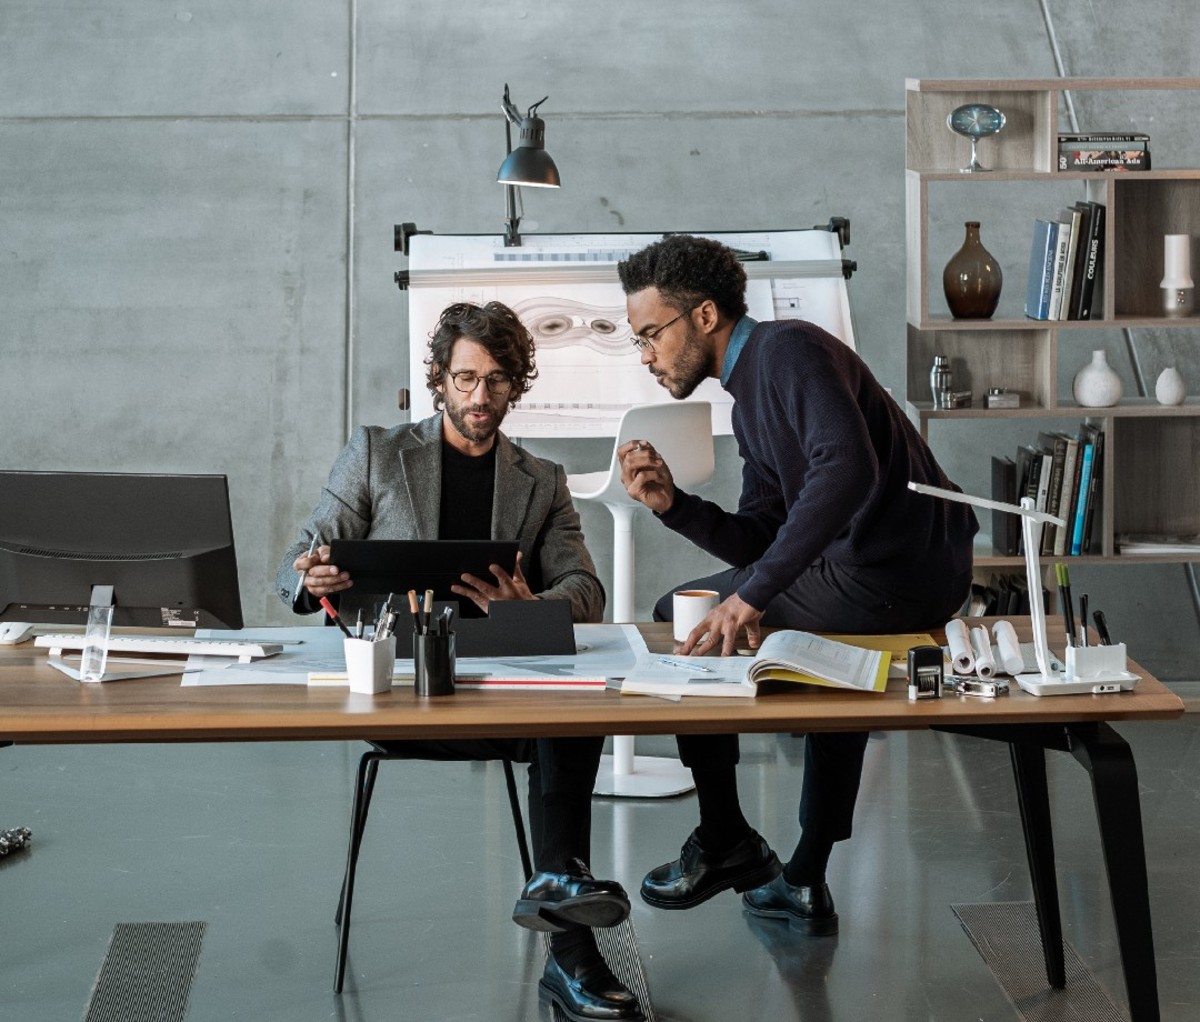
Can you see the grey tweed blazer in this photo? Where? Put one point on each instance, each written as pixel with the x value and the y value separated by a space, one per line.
pixel 387 484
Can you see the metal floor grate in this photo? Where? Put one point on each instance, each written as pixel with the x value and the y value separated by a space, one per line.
pixel 147 973
pixel 1007 938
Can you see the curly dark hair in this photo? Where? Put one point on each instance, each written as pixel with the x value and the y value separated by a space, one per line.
pixel 686 270
pixel 497 328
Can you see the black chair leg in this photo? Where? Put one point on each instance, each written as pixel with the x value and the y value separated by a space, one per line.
pixel 518 820
pixel 1109 762
pixel 364 786
pixel 1029 769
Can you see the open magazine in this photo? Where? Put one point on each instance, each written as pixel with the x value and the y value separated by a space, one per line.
pixel 784 656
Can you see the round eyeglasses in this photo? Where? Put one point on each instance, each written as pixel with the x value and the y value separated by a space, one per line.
pixel 466 380
pixel 645 340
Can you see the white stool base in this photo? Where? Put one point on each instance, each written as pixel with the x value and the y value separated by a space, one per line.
pixel 652 777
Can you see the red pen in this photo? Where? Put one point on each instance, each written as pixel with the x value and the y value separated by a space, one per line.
pixel 333 616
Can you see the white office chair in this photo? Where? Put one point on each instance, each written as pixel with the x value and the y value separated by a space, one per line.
pixel 681 432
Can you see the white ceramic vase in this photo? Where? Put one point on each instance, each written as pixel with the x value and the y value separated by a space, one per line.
pixel 1170 388
pixel 1097 385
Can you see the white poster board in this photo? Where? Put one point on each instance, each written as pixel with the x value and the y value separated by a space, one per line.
pixel 566 291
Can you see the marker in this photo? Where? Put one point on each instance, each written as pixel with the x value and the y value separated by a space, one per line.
pixel 416 612
pixel 304 574
pixel 1083 602
pixel 333 616
pixel 358 628
pixel 1064 597
pixel 684 666
pixel 428 608
pixel 1102 627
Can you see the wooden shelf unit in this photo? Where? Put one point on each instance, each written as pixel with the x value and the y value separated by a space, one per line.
pixel 1150 479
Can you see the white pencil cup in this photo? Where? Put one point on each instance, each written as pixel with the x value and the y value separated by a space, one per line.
pixel 1096 663
pixel 369 664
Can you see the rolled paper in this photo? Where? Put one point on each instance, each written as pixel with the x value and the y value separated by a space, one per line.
pixel 959 641
pixel 985 663
pixel 1008 647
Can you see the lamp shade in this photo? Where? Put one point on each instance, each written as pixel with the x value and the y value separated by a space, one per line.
pixel 529 164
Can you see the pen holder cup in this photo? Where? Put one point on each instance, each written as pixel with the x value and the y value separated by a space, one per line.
pixel 369 665
pixel 1096 663
pixel 433 664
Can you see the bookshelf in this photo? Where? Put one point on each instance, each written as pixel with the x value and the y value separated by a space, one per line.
pixel 1150 483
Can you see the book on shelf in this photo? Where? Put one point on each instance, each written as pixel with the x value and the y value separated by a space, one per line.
pixel 1091 515
pixel 1029 469
pixel 1041 268
pixel 1141 544
pixel 1058 285
pixel 1103 159
pixel 1074 218
pixel 1055 445
pixel 1088 253
pixel 1067 494
pixel 1087 455
pixel 1130 139
pixel 1006 527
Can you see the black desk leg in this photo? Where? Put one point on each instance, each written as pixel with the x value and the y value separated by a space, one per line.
pixel 1109 761
pixel 1029 768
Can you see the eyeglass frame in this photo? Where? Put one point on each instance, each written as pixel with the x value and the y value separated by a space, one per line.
pixel 645 340
pixel 492 382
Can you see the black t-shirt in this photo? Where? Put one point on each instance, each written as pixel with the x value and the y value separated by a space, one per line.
pixel 468 485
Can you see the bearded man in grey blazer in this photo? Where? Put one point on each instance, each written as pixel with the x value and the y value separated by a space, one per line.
pixel 454 475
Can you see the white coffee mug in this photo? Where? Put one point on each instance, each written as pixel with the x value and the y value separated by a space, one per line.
pixel 691 606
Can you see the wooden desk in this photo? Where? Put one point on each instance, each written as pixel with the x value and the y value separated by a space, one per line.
pixel 38 705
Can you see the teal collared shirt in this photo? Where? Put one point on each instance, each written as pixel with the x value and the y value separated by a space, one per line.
pixel 737 341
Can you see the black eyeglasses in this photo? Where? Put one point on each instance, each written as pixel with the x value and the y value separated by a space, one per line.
pixel 645 340
pixel 466 380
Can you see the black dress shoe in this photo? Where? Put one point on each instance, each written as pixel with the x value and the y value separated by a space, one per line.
pixel 554 902
pixel 807 908
pixel 589 992
pixel 696 875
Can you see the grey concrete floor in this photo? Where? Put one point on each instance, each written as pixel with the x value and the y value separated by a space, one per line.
pixel 251 839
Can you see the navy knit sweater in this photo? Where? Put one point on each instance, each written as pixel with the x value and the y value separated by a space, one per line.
pixel 827 459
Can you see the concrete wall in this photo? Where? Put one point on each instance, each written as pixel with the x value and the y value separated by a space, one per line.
pixel 197 201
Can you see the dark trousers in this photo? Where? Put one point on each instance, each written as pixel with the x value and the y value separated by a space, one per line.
pixel 829 598
pixel 562 772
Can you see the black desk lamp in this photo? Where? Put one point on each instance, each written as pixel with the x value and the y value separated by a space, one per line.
pixel 528 164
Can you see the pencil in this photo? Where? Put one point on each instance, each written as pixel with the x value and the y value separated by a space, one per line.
pixel 416 613
pixel 428 607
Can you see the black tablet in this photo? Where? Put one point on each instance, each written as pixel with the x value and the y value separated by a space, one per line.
pixel 381 566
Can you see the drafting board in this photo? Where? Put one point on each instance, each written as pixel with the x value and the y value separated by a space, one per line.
pixel 566 290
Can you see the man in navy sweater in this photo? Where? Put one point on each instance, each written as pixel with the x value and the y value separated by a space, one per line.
pixel 827 537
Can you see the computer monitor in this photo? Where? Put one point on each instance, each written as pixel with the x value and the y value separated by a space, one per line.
pixel 163 542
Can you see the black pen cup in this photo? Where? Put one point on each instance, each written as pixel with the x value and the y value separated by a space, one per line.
pixel 433 664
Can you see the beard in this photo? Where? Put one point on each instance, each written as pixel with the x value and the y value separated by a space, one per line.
pixel 470 432
pixel 690 368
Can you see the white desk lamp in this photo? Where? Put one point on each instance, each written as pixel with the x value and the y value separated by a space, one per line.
pixel 1031 531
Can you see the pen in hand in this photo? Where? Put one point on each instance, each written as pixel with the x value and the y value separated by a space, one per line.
pixel 304 574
